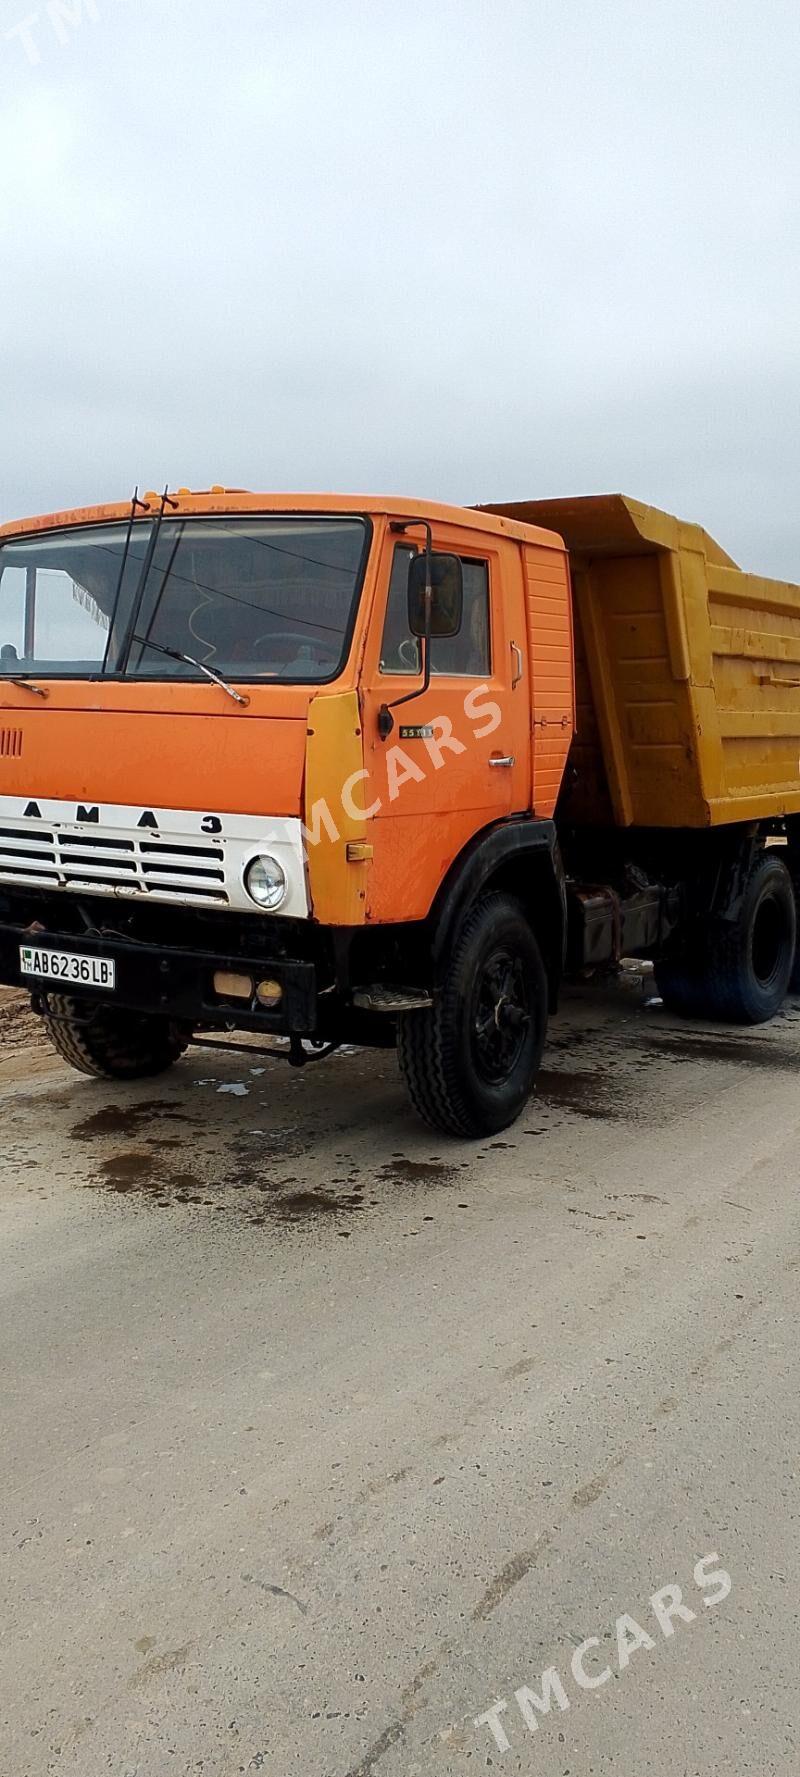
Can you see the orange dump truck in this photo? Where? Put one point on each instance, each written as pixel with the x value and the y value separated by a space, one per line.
pixel 383 771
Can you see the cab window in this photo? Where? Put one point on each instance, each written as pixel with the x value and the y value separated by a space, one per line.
pixel 467 655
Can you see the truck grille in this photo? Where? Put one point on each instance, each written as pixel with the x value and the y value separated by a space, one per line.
pixel 135 865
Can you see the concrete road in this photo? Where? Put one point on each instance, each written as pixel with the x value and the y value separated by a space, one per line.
pixel 321 1435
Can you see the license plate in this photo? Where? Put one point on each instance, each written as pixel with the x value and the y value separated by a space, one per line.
pixel 63 966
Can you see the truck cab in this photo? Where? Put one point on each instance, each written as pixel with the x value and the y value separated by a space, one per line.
pixel 243 787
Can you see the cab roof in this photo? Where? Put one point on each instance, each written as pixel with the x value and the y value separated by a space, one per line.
pixel 220 500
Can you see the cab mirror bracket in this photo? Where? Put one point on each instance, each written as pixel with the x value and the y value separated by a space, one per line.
pixel 435 608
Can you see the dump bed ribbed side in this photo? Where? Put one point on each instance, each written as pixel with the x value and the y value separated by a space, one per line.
pixel 687 671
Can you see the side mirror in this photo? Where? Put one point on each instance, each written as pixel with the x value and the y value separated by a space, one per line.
pixel 447 595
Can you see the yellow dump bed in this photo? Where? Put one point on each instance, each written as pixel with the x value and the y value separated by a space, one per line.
pixel 687 671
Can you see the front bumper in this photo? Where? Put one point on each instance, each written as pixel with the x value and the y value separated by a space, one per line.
pixel 173 982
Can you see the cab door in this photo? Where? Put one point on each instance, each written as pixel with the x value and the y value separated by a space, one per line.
pixel 458 756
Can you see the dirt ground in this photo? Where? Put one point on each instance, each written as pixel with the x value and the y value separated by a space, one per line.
pixel 20 1032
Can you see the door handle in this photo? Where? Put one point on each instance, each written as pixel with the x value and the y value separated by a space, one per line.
pixel 507 759
pixel 517 673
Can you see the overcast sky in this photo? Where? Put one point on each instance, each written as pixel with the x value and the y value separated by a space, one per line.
pixel 467 251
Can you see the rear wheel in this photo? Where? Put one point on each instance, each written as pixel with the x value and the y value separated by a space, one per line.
pixel 110 1043
pixel 741 969
pixel 793 866
pixel 470 1061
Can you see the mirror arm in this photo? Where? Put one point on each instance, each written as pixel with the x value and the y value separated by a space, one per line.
pixel 385 717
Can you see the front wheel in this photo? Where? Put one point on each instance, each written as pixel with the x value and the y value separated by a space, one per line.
pixel 110 1043
pixel 470 1061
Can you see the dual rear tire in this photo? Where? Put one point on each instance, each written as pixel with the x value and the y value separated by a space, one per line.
pixel 740 971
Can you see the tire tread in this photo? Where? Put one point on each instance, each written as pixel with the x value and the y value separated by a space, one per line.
pixel 426 1050
pixel 112 1045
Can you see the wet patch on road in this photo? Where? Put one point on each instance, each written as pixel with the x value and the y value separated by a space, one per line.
pixel 401 1170
pixel 118 1119
pixel 127 1172
pixel 743 1051
pixel 250 1182
pixel 136 1172
pixel 303 1206
pixel 267 1162
pixel 590 1093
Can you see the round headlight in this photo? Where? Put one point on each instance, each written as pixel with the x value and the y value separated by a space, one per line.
pixel 265 882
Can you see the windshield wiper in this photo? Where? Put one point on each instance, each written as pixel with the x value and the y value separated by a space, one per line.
pixel 149 558
pixel 137 505
pixel 25 684
pixel 189 660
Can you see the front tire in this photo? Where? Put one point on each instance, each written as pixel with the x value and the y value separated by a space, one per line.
pixel 470 1061
pixel 109 1043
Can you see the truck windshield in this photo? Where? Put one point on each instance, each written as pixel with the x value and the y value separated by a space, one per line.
pixel 262 598
pixel 57 598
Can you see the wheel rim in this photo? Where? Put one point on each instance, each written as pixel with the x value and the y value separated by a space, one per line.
pixel 501 1015
pixel 769 941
